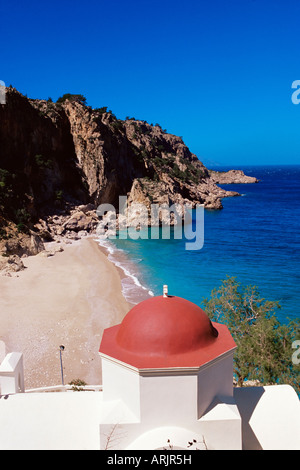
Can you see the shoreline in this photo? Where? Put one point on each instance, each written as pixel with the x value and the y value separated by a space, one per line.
pixel 69 299
pixel 133 291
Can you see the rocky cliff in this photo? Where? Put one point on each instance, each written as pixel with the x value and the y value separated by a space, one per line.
pixel 55 157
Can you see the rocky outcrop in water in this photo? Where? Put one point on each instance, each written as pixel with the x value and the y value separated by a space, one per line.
pixel 231 177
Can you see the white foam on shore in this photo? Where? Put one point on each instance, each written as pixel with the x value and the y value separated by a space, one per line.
pixel 133 291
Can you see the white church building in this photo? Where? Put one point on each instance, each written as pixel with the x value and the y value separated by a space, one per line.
pixel 167 382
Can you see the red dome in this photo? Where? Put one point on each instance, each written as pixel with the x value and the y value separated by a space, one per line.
pixel 164 332
pixel 165 325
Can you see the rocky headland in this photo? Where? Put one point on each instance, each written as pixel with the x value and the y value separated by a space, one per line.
pixel 60 161
pixel 231 177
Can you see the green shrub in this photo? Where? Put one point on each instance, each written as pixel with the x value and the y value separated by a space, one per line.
pixel 101 110
pixel 71 97
pixel 59 195
pixel 117 125
pixel 264 345
pixel 43 162
pixel 22 217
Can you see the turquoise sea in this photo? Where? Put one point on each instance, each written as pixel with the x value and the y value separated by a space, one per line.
pixel 254 238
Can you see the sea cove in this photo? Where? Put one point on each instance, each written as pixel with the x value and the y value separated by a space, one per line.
pixel 255 238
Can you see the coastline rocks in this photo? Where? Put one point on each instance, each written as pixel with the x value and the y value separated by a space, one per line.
pixel 24 245
pixel 76 158
pixel 12 264
pixel 80 221
pixel 43 230
pixel 51 252
pixel 106 156
pixel 17 247
pixel 213 203
pixel 231 177
pixel 86 208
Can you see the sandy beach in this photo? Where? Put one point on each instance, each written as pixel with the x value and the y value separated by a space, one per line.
pixel 67 299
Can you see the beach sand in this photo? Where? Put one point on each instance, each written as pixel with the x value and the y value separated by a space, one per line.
pixel 66 299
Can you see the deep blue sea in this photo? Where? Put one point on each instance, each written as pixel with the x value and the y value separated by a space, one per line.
pixel 254 238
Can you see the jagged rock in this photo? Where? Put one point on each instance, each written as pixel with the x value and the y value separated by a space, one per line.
pixel 43 230
pixel 41 225
pixel 82 233
pixel 213 203
pixel 80 221
pixel 231 177
pixel 12 264
pixel 24 244
pixel 52 252
pixel 71 235
pixel 87 208
pixel 36 244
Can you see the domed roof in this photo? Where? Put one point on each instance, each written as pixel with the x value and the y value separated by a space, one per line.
pixel 164 326
pixel 166 331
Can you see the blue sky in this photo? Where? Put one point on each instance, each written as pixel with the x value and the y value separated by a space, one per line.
pixel 217 73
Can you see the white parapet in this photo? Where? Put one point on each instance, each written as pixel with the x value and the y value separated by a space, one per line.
pixel 12 374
